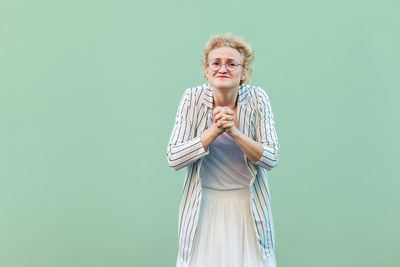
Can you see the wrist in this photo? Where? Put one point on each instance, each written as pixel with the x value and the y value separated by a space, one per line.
pixel 235 133
pixel 215 130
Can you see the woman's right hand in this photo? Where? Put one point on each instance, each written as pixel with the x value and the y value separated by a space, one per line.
pixel 217 127
pixel 221 114
pixel 209 135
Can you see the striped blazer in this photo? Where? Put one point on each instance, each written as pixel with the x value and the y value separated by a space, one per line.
pixel 185 149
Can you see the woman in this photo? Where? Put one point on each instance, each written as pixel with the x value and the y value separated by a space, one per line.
pixel 224 134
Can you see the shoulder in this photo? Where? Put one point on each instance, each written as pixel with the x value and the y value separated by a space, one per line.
pixel 253 89
pixel 256 93
pixel 195 92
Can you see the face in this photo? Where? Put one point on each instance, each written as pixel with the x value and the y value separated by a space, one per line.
pixel 224 78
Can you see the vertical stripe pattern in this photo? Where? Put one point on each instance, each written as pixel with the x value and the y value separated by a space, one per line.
pixel 185 149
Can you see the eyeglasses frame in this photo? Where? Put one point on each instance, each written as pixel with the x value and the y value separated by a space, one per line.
pixel 226 67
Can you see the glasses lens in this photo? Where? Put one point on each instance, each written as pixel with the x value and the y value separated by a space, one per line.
pixel 231 66
pixel 214 65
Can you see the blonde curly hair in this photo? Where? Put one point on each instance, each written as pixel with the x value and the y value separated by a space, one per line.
pixel 233 41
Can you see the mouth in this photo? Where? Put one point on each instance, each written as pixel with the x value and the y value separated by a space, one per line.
pixel 222 77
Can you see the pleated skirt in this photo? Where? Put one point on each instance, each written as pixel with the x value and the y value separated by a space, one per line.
pixel 225 235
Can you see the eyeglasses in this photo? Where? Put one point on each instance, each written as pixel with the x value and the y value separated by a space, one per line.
pixel 215 65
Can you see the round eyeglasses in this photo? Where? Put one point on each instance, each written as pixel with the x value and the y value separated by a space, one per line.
pixel 215 65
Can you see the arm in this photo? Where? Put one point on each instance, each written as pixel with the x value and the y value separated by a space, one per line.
pixel 181 150
pixel 250 148
pixel 266 132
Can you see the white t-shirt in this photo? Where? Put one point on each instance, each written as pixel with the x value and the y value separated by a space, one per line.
pixel 225 168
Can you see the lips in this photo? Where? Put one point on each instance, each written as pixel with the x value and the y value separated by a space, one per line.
pixel 222 77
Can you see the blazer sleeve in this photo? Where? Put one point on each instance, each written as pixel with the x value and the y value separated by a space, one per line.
pixel 183 150
pixel 266 132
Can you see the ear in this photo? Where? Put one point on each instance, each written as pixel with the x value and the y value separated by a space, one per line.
pixel 243 76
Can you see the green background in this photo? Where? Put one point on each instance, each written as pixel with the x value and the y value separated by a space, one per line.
pixel 88 96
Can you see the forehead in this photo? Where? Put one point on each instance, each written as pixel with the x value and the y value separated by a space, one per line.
pixel 225 53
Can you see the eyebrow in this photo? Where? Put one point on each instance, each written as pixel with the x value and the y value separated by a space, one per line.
pixel 228 58
pixel 220 58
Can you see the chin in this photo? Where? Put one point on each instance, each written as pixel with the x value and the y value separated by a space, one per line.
pixel 224 85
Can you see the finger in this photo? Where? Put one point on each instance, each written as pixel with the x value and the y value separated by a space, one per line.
pixel 227 124
pixel 218 117
pixel 227 117
pixel 227 109
pixel 217 109
pixel 227 112
pixel 223 121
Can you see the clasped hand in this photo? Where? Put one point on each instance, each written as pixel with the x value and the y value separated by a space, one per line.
pixel 224 120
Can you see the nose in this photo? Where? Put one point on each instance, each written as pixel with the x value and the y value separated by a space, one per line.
pixel 223 65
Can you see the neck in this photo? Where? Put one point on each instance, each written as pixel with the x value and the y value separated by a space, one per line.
pixel 225 97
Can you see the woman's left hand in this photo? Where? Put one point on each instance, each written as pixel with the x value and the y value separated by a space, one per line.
pixel 224 116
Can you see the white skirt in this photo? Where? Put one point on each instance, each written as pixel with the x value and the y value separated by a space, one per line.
pixel 225 235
